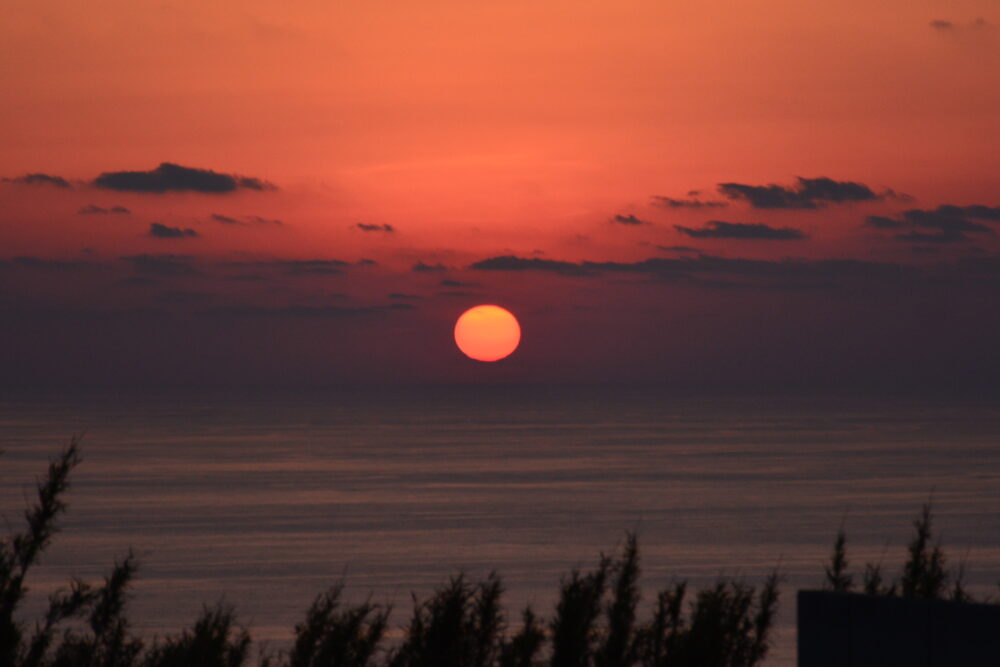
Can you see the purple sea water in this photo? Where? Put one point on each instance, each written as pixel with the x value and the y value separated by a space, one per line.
pixel 264 501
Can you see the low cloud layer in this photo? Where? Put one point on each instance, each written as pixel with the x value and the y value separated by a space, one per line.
pixel 170 177
pixel 809 193
pixel 749 231
pixel 162 265
pixel 721 272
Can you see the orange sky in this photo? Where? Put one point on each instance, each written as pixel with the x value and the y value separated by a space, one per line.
pixel 478 129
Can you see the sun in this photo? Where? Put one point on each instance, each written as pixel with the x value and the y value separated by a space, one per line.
pixel 487 333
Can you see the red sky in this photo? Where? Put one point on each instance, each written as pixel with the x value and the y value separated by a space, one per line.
pixel 517 149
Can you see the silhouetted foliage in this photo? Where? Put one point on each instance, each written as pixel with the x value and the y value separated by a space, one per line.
pixel 338 637
pixel 573 629
pixel 523 648
pixel 924 575
pixel 729 626
pixel 213 642
pixel 20 552
pixel 618 648
pixel 837 578
pixel 462 624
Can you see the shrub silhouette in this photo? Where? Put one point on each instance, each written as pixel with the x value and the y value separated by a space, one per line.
pixel 923 576
pixel 462 624
pixel 213 642
pixel 331 636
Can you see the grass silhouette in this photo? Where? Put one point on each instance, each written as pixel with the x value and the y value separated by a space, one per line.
pixel 462 624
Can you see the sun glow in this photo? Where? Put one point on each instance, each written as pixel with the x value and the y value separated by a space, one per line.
pixel 487 333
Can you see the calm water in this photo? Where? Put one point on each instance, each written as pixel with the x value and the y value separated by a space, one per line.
pixel 263 502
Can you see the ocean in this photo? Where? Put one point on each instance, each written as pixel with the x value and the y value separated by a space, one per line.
pixel 264 500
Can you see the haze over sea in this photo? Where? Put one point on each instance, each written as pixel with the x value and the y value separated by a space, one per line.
pixel 265 500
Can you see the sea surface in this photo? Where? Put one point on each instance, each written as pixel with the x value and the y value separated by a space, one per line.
pixel 263 501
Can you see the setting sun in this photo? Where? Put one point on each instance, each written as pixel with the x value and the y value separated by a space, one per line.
pixel 487 333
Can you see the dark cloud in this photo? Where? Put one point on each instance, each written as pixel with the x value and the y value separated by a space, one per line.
pixel 976 211
pixel 939 24
pixel 39 179
pixel 92 209
pixel 170 177
pixel 751 231
pixel 365 227
pixel 421 267
pixel 447 282
pixel 945 224
pixel 162 265
pixel 628 220
pixel 670 202
pixel 404 297
pixel 364 261
pixel 809 193
pixel 245 220
pixel 156 230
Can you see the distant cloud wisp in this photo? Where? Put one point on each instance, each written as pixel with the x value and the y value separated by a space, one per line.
pixel 92 209
pixel 628 220
pixel 39 179
pixel 245 220
pixel 717 229
pixel 691 202
pixel 367 227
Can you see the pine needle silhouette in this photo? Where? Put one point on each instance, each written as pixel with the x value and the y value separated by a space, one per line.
pixel 923 576
pixel 462 624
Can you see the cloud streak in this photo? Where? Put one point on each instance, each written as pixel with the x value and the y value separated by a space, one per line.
pixel 92 209
pixel 245 220
pixel 748 231
pixel 365 227
pixel 39 179
pixel 670 202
